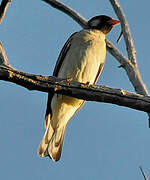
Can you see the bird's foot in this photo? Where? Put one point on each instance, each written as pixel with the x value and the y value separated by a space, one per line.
pixel 68 81
pixel 86 85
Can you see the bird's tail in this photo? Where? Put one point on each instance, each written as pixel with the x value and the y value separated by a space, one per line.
pixel 52 142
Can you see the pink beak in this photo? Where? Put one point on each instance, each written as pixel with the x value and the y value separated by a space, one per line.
pixel 114 22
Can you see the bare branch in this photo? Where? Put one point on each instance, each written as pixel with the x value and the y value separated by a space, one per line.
pixel 76 89
pixel 126 31
pixel 131 70
pixel 130 67
pixel 117 54
pixel 143 173
pixel 3 8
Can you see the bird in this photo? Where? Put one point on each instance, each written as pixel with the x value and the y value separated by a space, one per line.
pixel 81 59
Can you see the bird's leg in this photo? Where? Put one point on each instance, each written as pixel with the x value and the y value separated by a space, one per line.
pixel 68 81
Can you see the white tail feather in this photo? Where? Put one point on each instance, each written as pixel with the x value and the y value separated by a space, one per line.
pixel 52 142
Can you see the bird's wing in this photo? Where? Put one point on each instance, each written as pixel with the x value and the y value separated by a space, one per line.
pixel 62 55
pixel 59 62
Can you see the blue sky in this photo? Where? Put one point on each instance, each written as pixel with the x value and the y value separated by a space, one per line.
pixel 102 141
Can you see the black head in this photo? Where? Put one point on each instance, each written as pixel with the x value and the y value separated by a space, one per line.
pixel 103 23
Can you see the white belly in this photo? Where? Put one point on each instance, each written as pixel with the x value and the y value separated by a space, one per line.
pixel 83 63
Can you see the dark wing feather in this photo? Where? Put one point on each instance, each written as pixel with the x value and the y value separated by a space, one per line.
pixel 59 62
pixel 62 55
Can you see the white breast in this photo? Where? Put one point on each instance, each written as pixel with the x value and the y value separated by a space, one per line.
pixel 87 52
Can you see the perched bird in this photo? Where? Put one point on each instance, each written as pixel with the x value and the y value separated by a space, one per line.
pixel 81 59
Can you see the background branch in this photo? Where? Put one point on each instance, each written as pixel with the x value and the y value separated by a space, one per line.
pixel 132 71
pixel 135 76
pixel 3 8
pixel 126 31
pixel 143 173
pixel 130 66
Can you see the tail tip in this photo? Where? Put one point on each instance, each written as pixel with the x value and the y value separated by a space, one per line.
pixel 54 157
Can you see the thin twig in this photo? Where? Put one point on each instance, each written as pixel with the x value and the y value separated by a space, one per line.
pixel 126 31
pixel 116 53
pixel 131 70
pixel 143 173
pixel 3 8
pixel 3 57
